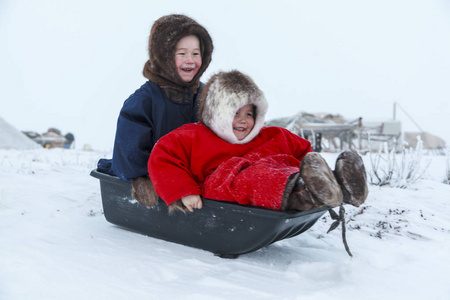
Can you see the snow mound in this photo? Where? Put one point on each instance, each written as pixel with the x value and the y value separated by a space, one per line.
pixel 12 138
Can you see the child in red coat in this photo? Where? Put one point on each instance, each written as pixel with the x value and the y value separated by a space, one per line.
pixel 230 156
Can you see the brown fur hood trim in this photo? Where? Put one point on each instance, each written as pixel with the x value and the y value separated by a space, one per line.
pixel 221 98
pixel 164 35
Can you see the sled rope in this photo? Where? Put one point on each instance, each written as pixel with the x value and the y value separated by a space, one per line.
pixel 340 219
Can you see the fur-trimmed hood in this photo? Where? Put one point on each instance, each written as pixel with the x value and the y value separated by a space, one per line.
pixel 221 98
pixel 164 36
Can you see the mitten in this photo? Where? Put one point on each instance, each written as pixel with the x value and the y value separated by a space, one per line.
pixel 177 206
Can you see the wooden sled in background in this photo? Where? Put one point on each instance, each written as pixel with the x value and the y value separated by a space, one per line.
pixel 223 228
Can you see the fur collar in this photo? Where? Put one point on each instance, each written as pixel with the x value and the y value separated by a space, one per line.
pixel 221 98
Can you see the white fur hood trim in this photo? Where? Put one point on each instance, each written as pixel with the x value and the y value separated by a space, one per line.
pixel 221 98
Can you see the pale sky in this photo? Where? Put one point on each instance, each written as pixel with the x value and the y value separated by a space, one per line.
pixel 71 64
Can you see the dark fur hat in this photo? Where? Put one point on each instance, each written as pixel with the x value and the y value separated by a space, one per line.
pixel 164 35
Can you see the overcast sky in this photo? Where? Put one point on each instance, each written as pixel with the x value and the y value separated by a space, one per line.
pixel 71 64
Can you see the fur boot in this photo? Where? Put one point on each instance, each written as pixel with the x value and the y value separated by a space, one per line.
pixel 320 181
pixel 143 191
pixel 301 199
pixel 351 175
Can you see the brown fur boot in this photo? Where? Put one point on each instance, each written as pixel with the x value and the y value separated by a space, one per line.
pixel 319 180
pixel 351 175
pixel 301 199
pixel 143 191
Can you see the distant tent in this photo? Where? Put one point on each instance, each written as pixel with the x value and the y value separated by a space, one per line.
pixel 429 140
pixel 12 138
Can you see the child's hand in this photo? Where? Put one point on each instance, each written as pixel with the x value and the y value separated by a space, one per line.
pixel 192 201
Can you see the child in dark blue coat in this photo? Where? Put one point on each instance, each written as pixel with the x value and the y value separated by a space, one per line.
pixel 180 50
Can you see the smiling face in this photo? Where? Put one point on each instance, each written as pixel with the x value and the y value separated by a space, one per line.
pixel 243 121
pixel 188 59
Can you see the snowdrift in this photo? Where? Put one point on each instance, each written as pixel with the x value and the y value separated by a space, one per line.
pixel 12 138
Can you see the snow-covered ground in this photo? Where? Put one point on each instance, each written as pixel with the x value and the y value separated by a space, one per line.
pixel 56 244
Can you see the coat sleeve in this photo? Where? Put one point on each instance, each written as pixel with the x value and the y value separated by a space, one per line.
pixel 134 137
pixel 168 167
pixel 219 185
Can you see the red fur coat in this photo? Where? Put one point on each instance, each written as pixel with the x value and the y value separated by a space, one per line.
pixel 192 160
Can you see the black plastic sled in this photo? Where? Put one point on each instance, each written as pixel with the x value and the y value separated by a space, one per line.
pixel 223 228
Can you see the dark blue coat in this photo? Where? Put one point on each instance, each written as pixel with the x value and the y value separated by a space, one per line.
pixel 146 116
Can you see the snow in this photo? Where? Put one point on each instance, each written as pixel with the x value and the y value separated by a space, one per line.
pixel 56 244
pixel 12 138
